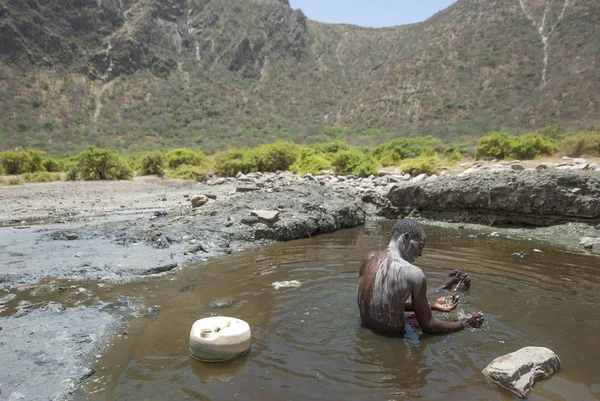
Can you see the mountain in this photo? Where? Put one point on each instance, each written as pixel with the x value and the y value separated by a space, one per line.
pixel 138 74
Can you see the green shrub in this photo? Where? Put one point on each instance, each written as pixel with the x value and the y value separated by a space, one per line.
pixel 102 164
pixel 580 144
pixel 41 176
pixel 530 146
pixel 496 145
pixel 72 174
pixel 330 147
pixel 276 156
pixel 309 161
pixel 232 161
pixel 501 146
pixel 50 124
pixel 354 162
pixel 50 165
pixel 190 173
pixel 26 161
pixel 178 157
pixel 420 165
pixel 153 164
pixel 393 152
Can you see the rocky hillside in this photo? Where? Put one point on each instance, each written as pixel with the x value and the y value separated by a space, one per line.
pixel 149 73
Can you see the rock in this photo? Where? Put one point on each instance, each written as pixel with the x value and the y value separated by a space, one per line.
pixel 239 175
pixel 286 284
pixel 249 220
pixel 187 288
pixel 6 299
pixel 467 172
pixel 517 372
pixel 83 374
pixel 199 200
pixel 419 178
pixel 589 242
pixel 580 161
pixel 160 269
pixel 310 177
pixel 517 167
pixel 197 248
pixel 152 311
pixel 567 158
pixel 581 167
pixel 541 167
pixel 71 236
pixel 222 303
pixel 269 216
pixel 247 189
pixel 576 191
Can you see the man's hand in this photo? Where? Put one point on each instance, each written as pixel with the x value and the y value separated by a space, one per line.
pixel 445 304
pixel 474 320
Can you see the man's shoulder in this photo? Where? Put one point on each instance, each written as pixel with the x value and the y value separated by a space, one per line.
pixel 374 255
pixel 413 273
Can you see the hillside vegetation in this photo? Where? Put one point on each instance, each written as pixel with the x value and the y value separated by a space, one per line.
pixel 139 75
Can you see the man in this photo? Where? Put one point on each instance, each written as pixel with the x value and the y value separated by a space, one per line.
pixel 388 278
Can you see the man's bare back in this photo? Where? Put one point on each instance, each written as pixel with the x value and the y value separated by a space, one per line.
pixel 388 279
pixel 386 282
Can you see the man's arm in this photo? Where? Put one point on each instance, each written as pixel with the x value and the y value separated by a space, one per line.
pixel 442 304
pixel 429 324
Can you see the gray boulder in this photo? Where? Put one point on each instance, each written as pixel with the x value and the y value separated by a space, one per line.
pixel 199 200
pixel 517 372
pixel 269 216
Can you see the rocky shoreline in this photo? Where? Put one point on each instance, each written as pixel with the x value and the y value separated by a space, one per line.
pixel 110 233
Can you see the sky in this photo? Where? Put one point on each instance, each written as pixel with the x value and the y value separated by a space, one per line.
pixel 370 13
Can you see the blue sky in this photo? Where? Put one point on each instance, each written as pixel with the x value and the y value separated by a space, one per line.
pixel 370 13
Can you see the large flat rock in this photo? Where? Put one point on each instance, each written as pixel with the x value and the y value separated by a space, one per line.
pixel 518 371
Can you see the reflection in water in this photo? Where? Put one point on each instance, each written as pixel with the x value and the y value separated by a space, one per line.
pixel 307 343
pixel 207 372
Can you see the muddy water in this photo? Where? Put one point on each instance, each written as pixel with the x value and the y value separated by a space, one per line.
pixel 307 343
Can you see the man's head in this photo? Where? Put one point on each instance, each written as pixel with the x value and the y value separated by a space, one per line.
pixel 410 239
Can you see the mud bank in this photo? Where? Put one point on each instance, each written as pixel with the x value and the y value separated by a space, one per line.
pixel 104 233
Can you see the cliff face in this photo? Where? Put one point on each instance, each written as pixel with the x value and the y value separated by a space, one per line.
pixel 163 72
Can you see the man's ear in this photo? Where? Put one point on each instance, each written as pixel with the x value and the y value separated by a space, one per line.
pixel 403 241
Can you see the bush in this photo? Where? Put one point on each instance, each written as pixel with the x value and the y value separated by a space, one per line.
pixel 392 153
pixel 102 164
pixel 50 165
pixel 354 162
pixel 420 165
pixel 153 163
pixel 232 161
pixel 21 162
pixel 583 143
pixel 309 161
pixel 178 157
pixel 330 147
pixel 190 173
pixel 276 156
pixel 530 146
pixel 41 176
pixel 50 124
pixel 496 146
pixel 501 146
